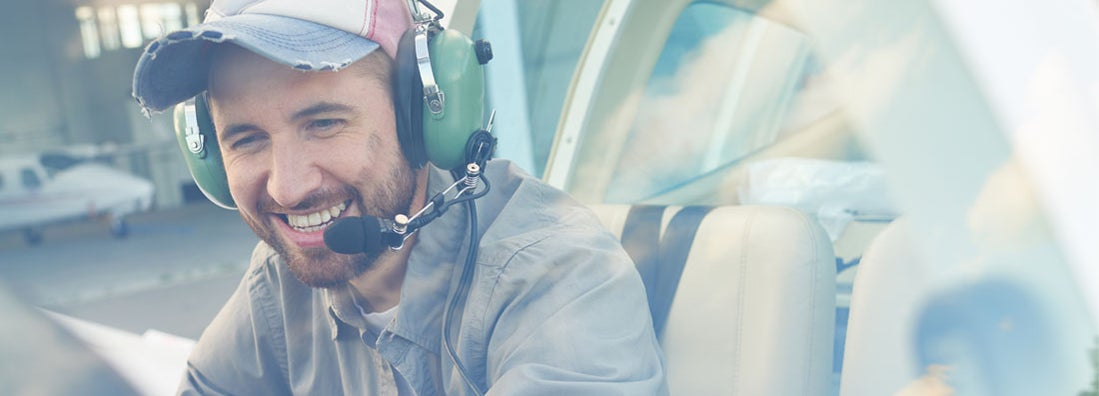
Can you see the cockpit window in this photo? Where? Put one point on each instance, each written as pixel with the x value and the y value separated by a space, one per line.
pixel 727 83
pixel 30 179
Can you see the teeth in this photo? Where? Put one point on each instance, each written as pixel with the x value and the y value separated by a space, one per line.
pixel 315 221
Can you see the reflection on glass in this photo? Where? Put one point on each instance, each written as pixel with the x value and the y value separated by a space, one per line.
pixel 724 86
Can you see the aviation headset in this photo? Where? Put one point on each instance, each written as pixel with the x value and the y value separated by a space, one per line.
pixel 438 95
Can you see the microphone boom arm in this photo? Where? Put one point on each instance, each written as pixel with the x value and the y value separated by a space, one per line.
pixel 404 226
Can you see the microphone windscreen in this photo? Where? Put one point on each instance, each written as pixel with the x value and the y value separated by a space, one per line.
pixel 352 235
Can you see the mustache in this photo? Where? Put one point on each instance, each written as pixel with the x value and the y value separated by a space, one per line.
pixel 316 199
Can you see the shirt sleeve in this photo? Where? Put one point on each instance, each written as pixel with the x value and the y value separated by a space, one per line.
pixel 236 354
pixel 572 319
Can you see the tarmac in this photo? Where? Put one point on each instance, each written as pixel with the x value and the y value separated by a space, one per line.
pixel 172 273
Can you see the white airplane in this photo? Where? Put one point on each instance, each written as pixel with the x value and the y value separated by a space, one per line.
pixel 44 189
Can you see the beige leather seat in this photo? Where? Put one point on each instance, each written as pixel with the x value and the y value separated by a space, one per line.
pixel 754 310
pixel 979 332
pixel 890 283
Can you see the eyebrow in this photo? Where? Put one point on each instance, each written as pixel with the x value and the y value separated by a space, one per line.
pixel 319 108
pixel 235 129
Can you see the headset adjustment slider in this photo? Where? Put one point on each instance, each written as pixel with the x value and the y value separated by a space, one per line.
pixel 434 98
pixel 195 141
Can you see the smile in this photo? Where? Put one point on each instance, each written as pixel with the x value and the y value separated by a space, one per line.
pixel 316 221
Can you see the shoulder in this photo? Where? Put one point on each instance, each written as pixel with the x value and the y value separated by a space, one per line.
pixel 542 238
pixel 558 299
pixel 529 217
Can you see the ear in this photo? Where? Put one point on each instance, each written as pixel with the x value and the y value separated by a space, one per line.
pixel 198 141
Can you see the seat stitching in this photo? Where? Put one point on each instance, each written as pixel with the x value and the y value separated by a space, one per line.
pixel 814 273
pixel 812 302
pixel 740 298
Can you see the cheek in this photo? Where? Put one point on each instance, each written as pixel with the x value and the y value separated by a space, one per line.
pixel 370 154
pixel 245 183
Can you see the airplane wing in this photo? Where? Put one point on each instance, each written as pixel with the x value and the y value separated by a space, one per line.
pixel 152 362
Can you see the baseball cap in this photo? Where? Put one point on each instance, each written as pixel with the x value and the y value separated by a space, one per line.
pixel 306 35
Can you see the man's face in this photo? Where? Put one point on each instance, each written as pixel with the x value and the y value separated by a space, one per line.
pixel 303 148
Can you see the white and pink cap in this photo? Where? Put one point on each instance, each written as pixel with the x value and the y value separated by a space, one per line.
pixel 306 35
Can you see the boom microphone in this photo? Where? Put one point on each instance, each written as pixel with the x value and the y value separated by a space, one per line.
pixel 352 235
pixel 371 235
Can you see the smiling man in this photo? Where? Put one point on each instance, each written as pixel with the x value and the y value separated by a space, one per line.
pixel 301 96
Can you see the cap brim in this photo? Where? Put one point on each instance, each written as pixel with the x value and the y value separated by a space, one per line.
pixel 174 68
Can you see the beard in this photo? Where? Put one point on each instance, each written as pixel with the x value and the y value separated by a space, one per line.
pixel 320 267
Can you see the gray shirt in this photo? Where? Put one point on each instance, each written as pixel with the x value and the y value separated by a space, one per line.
pixel 555 307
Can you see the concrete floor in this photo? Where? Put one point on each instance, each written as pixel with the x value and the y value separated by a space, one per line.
pixel 172 273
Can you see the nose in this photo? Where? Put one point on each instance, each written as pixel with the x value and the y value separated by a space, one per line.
pixel 294 175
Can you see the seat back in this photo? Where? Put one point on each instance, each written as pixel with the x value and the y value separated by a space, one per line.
pixel 890 284
pixel 753 310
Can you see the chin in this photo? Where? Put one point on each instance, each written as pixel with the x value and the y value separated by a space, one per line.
pixel 315 266
pixel 322 268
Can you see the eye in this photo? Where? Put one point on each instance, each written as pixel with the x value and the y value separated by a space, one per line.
pixel 247 142
pixel 325 125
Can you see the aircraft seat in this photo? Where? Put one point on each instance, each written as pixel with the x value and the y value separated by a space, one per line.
pixel 885 298
pixel 753 311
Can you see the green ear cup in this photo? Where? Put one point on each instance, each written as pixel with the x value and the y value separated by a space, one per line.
pixel 461 78
pixel 199 143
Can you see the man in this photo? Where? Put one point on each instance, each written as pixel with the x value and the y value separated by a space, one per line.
pixel 302 102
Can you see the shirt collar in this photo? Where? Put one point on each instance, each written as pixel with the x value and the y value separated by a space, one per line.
pixel 341 308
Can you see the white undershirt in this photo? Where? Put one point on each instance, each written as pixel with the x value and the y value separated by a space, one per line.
pixel 376 321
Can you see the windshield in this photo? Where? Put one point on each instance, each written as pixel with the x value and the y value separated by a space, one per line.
pixel 727 83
